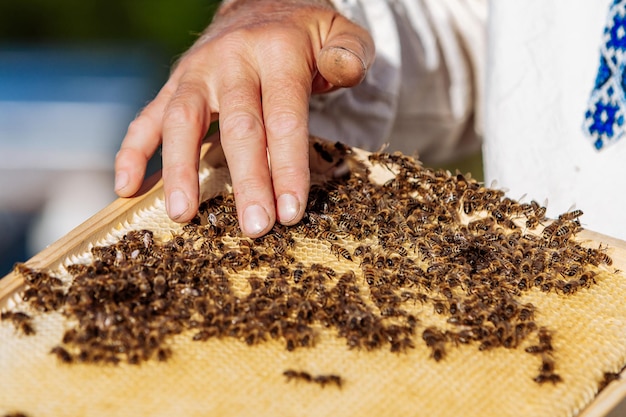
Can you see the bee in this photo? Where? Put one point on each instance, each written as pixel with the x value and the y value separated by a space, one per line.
pixel 369 274
pixel 539 210
pixel 598 256
pixel 340 251
pixel 159 285
pixel 438 352
pixel 547 365
pixel 440 307
pixel 532 222
pixel 545 343
pixel 327 235
pixel 564 230
pixel 469 206
pixel 62 354
pixel 298 272
pixel 163 354
pixel 433 336
pixel 550 230
pixel 608 378
pixel 526 312
pixel 586 279
pixel 484 224
pixel 380 261
pixel 568 287
pixel 205 334
pixel 489 343
pixel 324 380
pixel 571 215
pixel 326 156
pixel 291 374
pixel 361 250
pixel 323 269
pixel 548 377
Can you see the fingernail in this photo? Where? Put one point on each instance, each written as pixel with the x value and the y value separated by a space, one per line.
pixel 255 220
pixel 178 204
pixel 121 180
pixel 288 208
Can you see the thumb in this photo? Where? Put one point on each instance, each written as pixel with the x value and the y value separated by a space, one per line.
pixel 346 55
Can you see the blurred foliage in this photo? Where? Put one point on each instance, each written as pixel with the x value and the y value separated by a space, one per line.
pixel 172 25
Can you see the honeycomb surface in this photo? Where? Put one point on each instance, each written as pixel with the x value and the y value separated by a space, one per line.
pixel 386 317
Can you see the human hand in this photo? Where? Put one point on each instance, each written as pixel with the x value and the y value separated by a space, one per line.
pixel 254 68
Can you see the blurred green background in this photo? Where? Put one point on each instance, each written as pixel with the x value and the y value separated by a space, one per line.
pixel 169 25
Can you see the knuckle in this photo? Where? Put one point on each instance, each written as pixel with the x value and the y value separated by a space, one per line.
pixel 240 125
pixel 181 112
pixel 284 124
pixel 138 125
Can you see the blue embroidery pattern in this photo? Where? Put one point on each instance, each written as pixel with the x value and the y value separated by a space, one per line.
pixel 606 113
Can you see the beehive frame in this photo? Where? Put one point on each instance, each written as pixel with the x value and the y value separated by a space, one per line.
pixel 121 213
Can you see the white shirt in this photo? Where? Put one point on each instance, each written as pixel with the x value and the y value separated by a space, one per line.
pixel 423 93
pixel 544 57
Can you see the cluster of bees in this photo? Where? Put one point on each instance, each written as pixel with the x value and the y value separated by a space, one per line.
pixel 22 321
pixel 424 241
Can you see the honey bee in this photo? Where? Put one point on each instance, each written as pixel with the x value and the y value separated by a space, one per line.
pixel 323 269
pixel 324 380
pixel 526 312
pixel 489 343
pixel 433 336
pixel 291 374
pixel 361 250
pixel 205 334
pixel 369 274
pixel 327 235
pixel 440 307
pixel 163 354
pixel 608 378
pixel 586 279
pixel 545 343
pixel 599 256
pixel 571 215
pixel 484 224
pixel 340 251
pixel 547 365
pixel 62 354
pixel 319 148
pixel 438 352
pixel 548 377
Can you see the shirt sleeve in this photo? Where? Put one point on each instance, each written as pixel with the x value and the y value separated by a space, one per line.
pixel 423 93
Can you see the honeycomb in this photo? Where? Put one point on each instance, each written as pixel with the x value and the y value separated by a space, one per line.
pixel 425 290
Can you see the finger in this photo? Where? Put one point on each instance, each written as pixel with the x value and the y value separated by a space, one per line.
pixel 346 55
pixel 185 121
pixel 243 140
pixel 286 87
pixel 141 141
